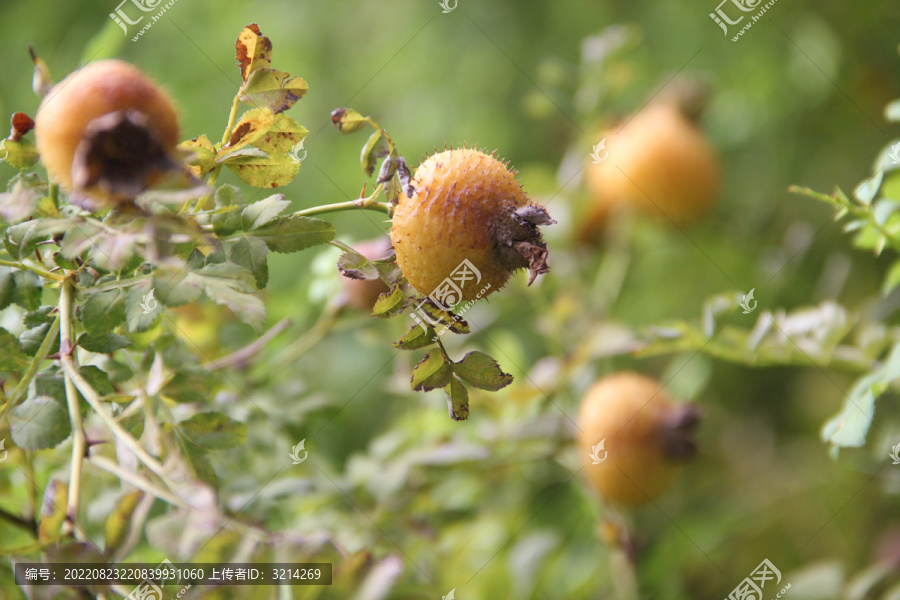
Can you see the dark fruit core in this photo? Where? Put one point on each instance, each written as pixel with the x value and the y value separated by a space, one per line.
pixel 120 155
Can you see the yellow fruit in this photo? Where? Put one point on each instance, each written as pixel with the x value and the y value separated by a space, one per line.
pixel 645 438
pixel 362 293
pixel 107 130
pixel 467 205
pixel 659 163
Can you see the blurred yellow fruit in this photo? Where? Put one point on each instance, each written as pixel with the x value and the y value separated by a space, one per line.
pixel 632 438
pixel 659 163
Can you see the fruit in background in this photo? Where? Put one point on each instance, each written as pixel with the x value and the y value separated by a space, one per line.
pixel 659 163
pixel 467 205
pixel 362 293
pixel 633 439
pixel 107 130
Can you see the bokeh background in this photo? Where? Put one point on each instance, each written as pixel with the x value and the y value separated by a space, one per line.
pixel 494 507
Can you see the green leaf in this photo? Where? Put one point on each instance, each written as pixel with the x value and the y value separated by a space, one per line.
pixel 482 371
pixel 354 265
pixel 104 311
pixel 31 339
pixel 7 286
pixel 39 316
pixel 103 343
pixel 250 252
pixel 11 356
pixel 174 287
pixel 849 428
pixel 22 239
pixel 292 233
pixel 415 338
pixel 274 89
pixel 232 286
pixel 213 431
pixel 50 382
pixel 39 422
pixel 259 213
pixel 891 279
pixel 142 310
pixel 199 462
pixel 390 304
pixel 431 372
pixel 98 379
pixel 189 386
pixel 275 170
pixel 226 223
pixel 28 290
pixel 457 399
pixel 866 191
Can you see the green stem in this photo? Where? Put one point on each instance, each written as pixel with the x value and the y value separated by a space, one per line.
pixel 123 436
pixel 66 353
pixel 306 341
pixel 367 203
pixel 39 271
pixel 134 479
pixel 214 174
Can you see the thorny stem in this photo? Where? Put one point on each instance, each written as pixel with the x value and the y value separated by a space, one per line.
pixel 123 436
pixel 66 353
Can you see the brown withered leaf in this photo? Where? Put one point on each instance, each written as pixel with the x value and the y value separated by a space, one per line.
pixel 254 50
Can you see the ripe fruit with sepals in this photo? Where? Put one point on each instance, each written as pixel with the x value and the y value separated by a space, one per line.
pixel 467 205
pixel 107 130
pixel 647 437
pixel 659 163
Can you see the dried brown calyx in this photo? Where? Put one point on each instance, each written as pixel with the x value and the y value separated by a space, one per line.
pixel 120 155
pixel 520 243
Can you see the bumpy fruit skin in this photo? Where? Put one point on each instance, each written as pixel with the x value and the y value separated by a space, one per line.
pixel 362 293
pixel 659 164
pixel 69 114
pixel 464 208
pixel 646 438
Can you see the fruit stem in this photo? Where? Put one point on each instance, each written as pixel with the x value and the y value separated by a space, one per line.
pixel 66 354
pixel 367 203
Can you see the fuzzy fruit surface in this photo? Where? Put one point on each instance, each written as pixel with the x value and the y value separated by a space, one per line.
pixel 637 420
pixel 659 164
pixel 461 210
pixel 99 89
